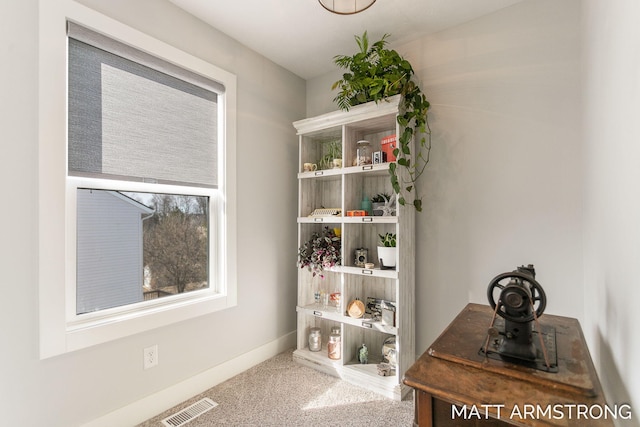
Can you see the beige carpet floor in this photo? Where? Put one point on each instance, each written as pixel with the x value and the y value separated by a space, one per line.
pixel 280 392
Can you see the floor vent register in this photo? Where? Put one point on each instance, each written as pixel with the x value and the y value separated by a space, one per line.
pixel 189 413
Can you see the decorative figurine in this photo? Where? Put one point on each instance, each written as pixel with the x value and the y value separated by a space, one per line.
pixel 363 354
pixel 385 370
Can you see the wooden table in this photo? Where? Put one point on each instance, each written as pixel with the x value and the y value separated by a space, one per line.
pixel 456 385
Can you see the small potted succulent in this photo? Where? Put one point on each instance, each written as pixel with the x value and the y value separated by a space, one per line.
pixel 387 251
pixel 321 252
pixel 383 204
pixel 377 202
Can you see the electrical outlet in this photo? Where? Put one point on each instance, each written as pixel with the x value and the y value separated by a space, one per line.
pixel 150 356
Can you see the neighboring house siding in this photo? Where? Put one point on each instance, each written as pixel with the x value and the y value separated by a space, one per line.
pixel 109 251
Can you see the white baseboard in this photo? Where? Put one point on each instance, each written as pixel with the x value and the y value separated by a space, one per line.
pixel 143 409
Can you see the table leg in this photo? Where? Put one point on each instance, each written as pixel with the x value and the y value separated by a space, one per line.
pixel 423 409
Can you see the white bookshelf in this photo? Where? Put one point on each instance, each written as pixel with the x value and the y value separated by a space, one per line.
pixel 344 188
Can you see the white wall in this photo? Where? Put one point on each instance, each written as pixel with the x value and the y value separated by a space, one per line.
pixel 76 388
pixel 612 194
pixel 504 184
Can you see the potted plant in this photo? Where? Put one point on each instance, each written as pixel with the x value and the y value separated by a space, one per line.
pixel 376 73
pixel 389 207
pixel 321 252
pixel 333 155
pixel 387 250
pixel 378 202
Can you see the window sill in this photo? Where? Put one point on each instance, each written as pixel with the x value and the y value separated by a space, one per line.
pixel 96 328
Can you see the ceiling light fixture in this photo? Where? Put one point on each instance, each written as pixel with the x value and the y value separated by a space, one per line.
pixel 346 7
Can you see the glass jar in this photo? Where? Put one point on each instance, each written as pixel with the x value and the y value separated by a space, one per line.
pixel 363 153
pixel 335 299
pixel 315 339
pixel 335 330
pixel 333 347
pixel 389 352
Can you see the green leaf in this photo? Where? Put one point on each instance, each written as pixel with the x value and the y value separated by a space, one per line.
pixel 401 201
pixel 375 73
pixel 408 132
pixel 376 89
pixel 395 184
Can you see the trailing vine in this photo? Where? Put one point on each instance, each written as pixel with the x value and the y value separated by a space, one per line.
pixel 376 73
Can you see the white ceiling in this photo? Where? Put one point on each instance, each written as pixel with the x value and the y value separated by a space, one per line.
pixel 303 37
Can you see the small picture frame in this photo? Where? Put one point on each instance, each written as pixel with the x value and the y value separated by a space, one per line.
pixel 381 310
pixel 379 157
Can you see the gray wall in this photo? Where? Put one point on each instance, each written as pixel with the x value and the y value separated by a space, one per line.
pixel 535 160
pixel 76 388
pixel 112 275
pixel 611 89
pixel 504 184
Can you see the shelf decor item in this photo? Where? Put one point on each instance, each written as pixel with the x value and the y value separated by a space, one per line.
pixel 355 309
pixel 310 167
pixel 361 257
pixel 315 339
pixel 378 202
pixel 365 205
pixel 389 207
pixel 333 155
pixel 321 252
pixel 363 154
pixel 389 144
pixel 387 251
pixel 363 354
pixel 380 310
pixel 334 349
pixel 389 352
pixel 335 298
pixel 376 73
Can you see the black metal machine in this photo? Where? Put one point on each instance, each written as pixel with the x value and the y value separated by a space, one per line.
pixel 518 337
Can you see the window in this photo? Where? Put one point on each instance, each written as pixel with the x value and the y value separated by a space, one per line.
pixel 149 208
pixel 135 118
pixel 134 247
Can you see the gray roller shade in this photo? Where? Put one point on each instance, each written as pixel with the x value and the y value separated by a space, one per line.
pixel 136 117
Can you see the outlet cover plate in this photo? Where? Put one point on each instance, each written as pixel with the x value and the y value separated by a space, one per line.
pixel 150 356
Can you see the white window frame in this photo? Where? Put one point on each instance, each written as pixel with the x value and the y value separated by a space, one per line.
pixel 61 330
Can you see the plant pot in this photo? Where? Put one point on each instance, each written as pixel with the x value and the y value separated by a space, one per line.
pixel 377 208
pixel 387 257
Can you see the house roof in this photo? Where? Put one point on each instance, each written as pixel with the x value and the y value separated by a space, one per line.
pixel 142 207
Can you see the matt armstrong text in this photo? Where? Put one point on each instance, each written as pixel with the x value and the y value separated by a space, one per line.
pixel 559 411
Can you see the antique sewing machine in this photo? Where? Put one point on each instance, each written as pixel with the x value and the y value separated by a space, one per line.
pixel 503 354
pixel 517 336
